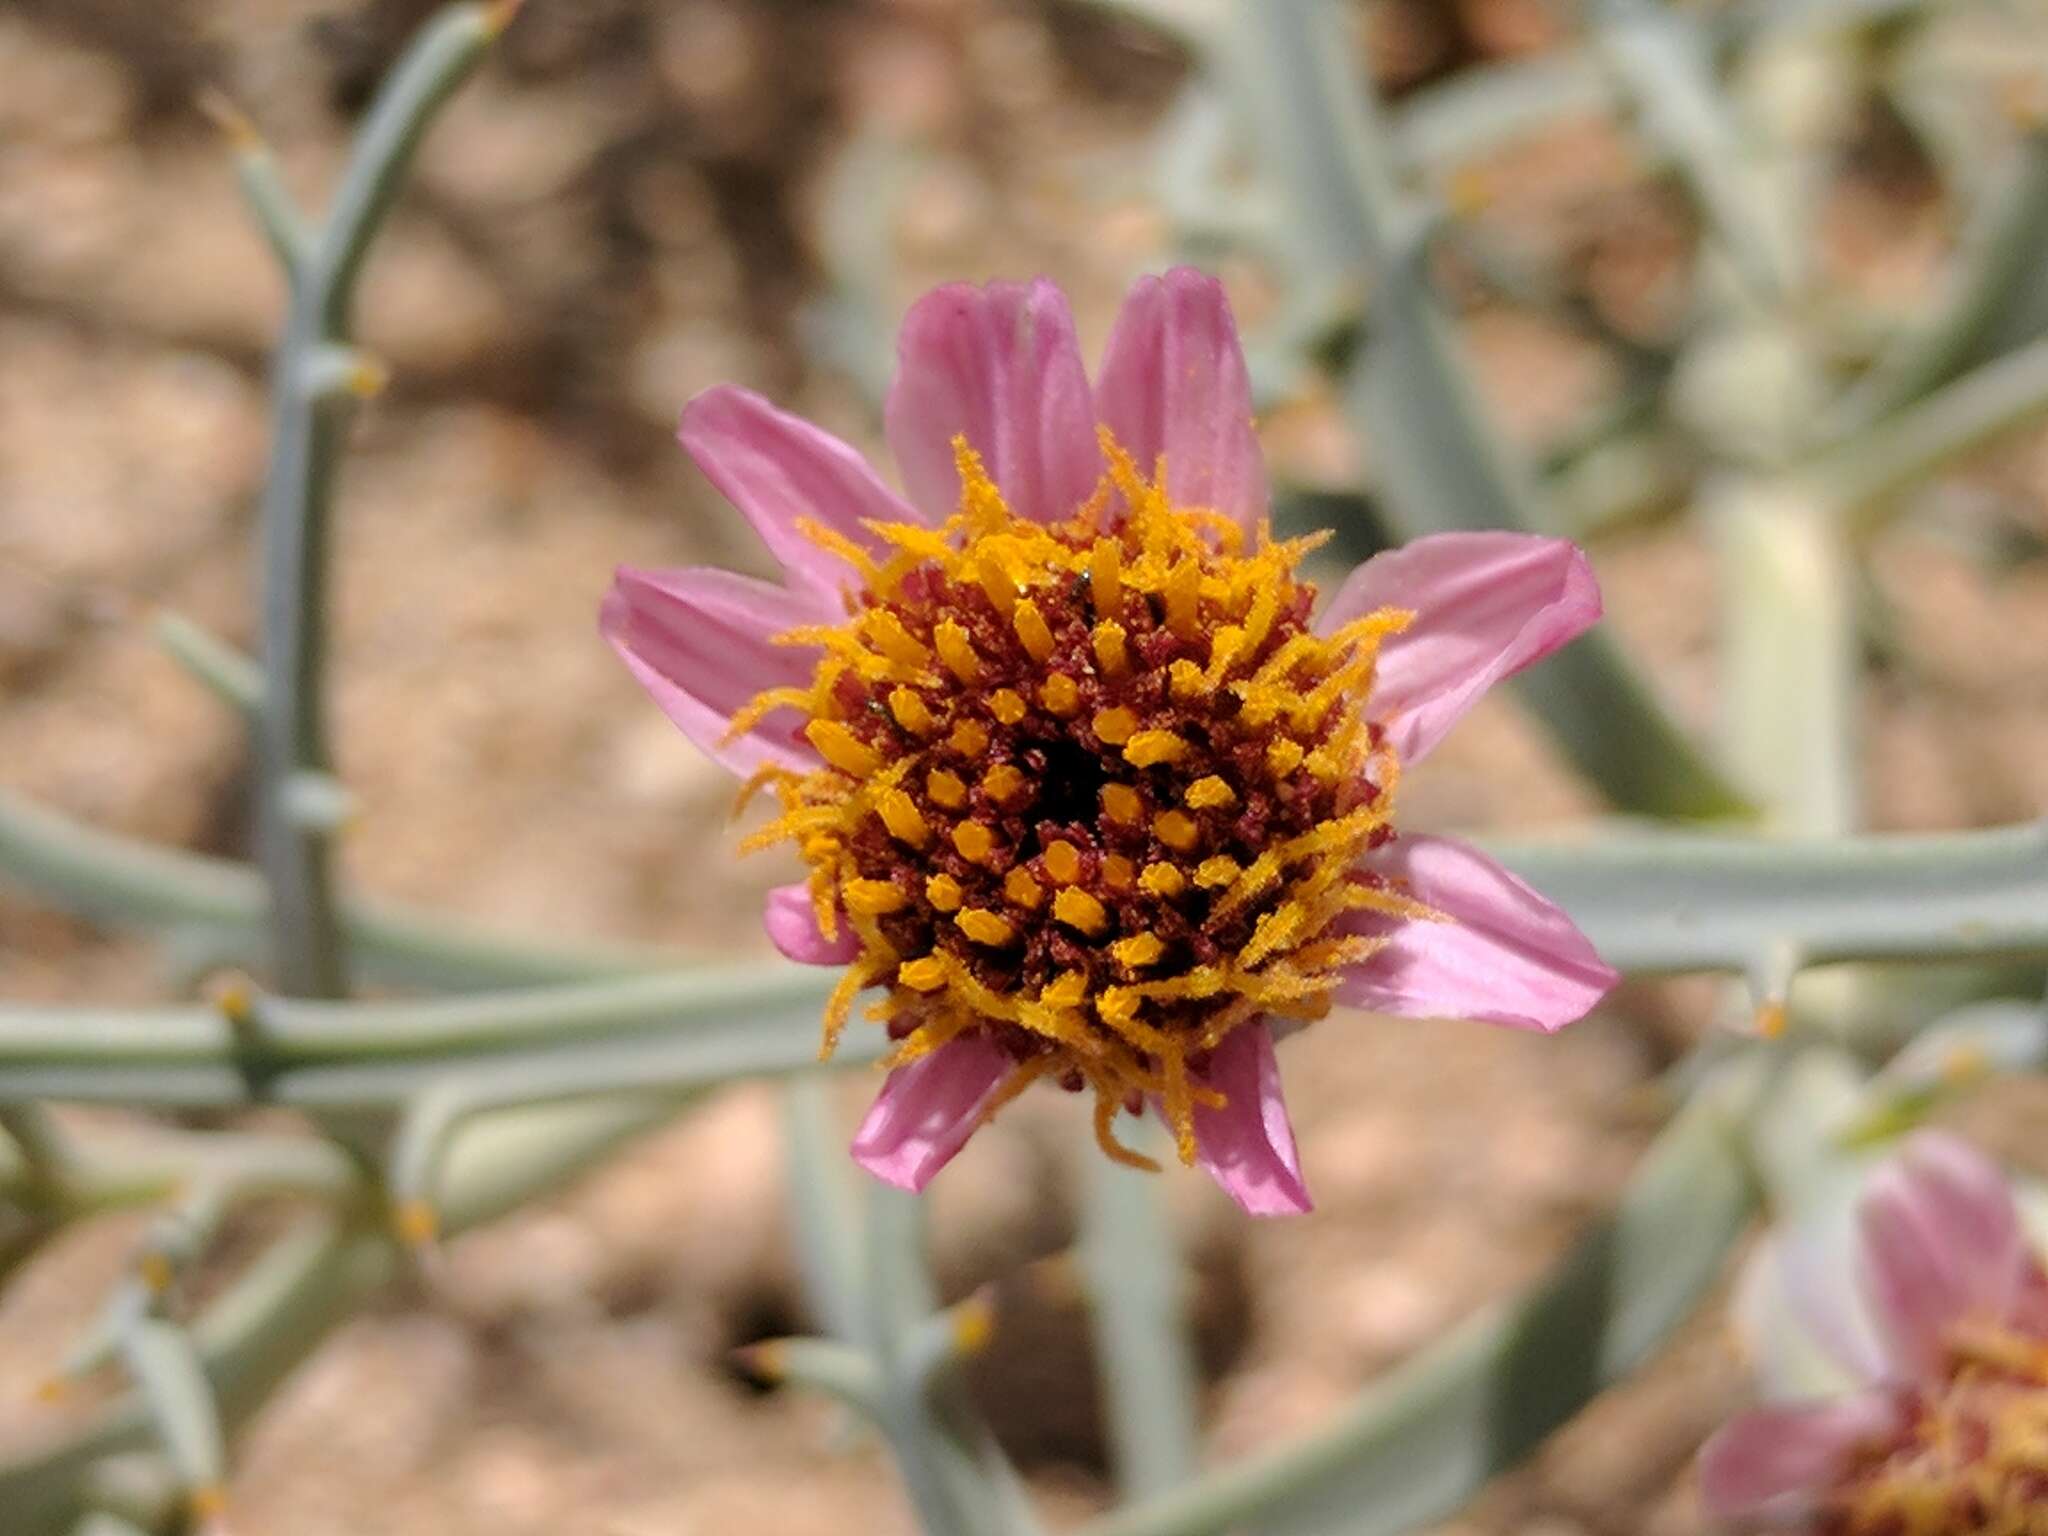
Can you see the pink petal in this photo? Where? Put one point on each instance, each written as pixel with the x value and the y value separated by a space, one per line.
pixel 792 924
pixel 1504 955
pixel 1941 1241
pixel 1816 1267
pixel 1776 1461
pixel 1000 365
pixel 1247 1146
pixel 777 468
pixel 698 640
pixel 1486 605
pixel 1174 382
pixel 927 1110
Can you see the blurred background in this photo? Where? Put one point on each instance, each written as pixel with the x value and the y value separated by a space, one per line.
pixel 635 200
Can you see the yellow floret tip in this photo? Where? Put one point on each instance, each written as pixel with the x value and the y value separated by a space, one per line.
pixel 842 749
pixel 985 927
pixel 1077 909
pixel 1148 749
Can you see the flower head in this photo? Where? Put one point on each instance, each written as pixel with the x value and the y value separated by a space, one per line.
pixel 1082 781
pixel 1946 1433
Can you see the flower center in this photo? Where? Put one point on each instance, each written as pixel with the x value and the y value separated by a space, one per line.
pixel 1972 1461
pixel 1093 789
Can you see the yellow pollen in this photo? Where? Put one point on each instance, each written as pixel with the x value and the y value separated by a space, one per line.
pixel 956 650
pixel 839 544
pixel 1163 880
pixel 984 927
pixel 1147 749
pixel 1002 782
pixel 1186 681
pixel 1284 756
pixel 925 975
pixel 911 711
pixel 1177 829
pixel 1077 909
pixel 974 841
pixel 1118 872
pixel 1970 1459
pixel 1118 1005
pixel 1183 596
pixel 969 739
pixel 944 892
pixel 1068 990
pixel 1115 726
pixel 1224 647
pixel 841 748
pixel 996 582
pixel 1021 888
pixel 872 898
pixel 1105 579
pixel 1140 949
pixel 894 641
pixel 1206 794
pixel 1031 628
pixel 946 788
pixel 1062 861
pixel 901 816
pixel 1121 803
pixel 1110 652
pixel 1060 695
pixel 1008 706
pixel 1217 872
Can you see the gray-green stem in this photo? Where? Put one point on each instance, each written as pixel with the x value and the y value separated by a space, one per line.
pixel 310 400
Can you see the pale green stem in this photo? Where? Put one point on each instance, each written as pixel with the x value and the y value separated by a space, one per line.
pixel 310 1281
pixel 1443 464
pixel 115 879
pixel 309 409
pixel 233 677
pixel 1994 282
pixel 1416 1445
pixel 1864 473
pixel 1137 1291
pixel 1790 660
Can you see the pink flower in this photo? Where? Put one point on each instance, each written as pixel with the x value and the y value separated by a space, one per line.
pixel 1077 780
pixel 1943 1433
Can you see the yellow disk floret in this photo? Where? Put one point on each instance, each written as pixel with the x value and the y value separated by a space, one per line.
pixel 1972 1459
pixel 1091 789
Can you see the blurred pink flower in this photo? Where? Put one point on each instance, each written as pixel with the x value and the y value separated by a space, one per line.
pixel 1943 1327
pixel 1076 779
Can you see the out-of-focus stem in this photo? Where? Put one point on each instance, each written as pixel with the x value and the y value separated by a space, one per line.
pixel 1790 675
pixel 1442 463
pixel 1416 1445
pixel 1996 280
pixel 1862 474
pixel 234 677
pixel 312 1280
pixel 111 878
pixel 1137 1292
pixel 262 186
